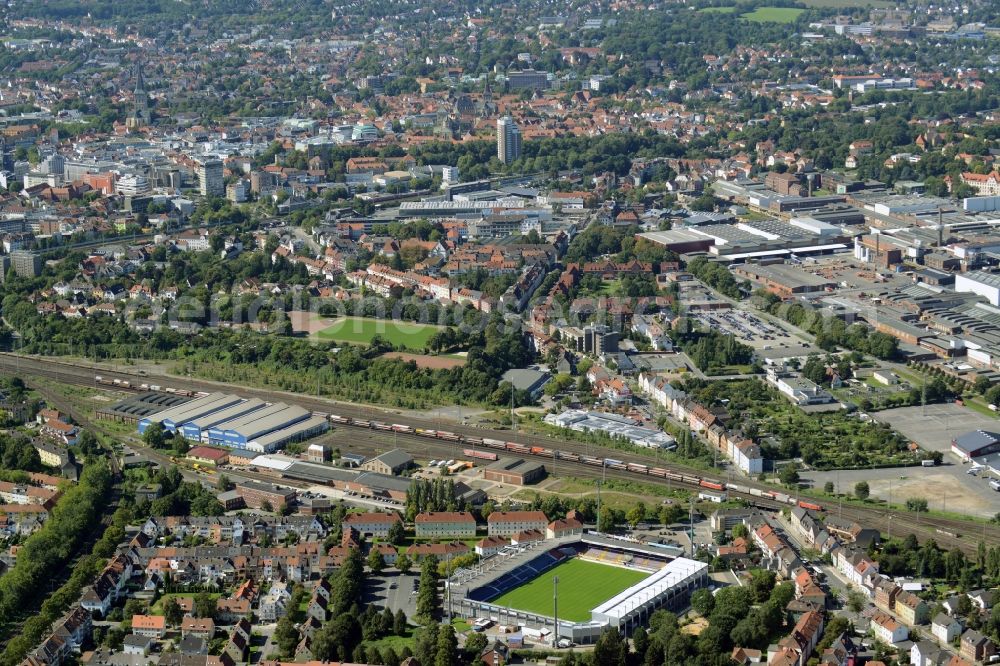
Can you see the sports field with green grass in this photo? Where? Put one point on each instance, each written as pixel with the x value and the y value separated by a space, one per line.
pixel 583 586
pixel 773 15
pixel 361 330
pixel 718 10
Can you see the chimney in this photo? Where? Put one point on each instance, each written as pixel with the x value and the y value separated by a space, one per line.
pixel 940 226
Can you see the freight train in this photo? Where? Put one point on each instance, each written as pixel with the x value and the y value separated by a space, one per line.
pixel 132 386
pixel 554 454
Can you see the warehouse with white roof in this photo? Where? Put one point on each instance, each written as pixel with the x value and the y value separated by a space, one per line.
pixel 177 416
pixel 197 429
pixel 221 419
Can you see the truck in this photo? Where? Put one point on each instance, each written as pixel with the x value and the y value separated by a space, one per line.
pixel 927 463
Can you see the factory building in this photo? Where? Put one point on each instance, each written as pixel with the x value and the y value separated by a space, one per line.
pixel 197 429
pixel 252 425
pixel 174 417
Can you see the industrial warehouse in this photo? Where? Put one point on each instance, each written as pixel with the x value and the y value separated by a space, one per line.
pixel 222 419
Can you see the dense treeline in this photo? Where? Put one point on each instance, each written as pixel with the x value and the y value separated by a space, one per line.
pixel 84 572
pixel 710 349
pixel 590 155
pixel 45 552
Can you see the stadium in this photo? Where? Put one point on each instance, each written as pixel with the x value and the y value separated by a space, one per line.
pixel 602 582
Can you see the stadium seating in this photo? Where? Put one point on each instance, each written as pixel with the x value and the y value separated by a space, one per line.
pixel 519 576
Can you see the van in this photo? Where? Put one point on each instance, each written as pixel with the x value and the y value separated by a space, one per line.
pixel 927 463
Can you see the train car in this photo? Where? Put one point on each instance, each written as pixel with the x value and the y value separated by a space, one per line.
pixel 540 451
pixel 450 436
pixel 714 485
pixel 572 457
pixel 476 441
pixel 361 423
pixel 637 468
pixel 615 464
pixel 673 476
pixel 338 419
pixel 735 488
pixel 144 387
pixel 687 478
pixel 590 460
pixel 517 448
pixel 781 497
pixel 810 505
pixel 482 455
pixel 398 427
pixel 495 443
pixel 658 471
pixel 377 425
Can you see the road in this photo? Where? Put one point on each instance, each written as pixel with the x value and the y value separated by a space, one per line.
pixel 949 532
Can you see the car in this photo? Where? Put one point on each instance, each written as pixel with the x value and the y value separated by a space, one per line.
pixel 392 585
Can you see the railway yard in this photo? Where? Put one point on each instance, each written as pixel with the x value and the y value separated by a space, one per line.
pixel 371 427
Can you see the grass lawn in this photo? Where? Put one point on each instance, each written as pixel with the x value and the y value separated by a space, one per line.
pixel 361 330
pixel 397 643
pixel 576 600
pixel 773 15
pixel 718 10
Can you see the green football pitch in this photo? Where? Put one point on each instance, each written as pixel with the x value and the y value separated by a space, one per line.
pixel 362 330
pixel 583 586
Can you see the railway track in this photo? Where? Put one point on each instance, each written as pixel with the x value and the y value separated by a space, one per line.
pixel 948 532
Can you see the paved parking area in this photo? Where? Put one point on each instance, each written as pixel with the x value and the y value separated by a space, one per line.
pixel 934 426
pixel 395 589
pixel 744 325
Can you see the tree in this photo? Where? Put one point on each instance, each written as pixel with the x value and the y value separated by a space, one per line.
pixel 918 504
pixel 703 602
pixel 828 487
pixel 286 636
pixel 399 623
pixel 789 474
pixel 861 490
pixel 636 514
pixel 204 605
pixel 428 603
pixel 403 563
pixel 172 612
pixel 447 646
pixel 670 513
pixel 761 584
pixel 610 649
pixel 267 507
pixel 154 436
pixel 607 521
pixel 640 641
pixel 224 483
pixel 475 644
pixel 397 535
pixel 376 561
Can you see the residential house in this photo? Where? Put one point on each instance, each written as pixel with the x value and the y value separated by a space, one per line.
pixel 509 523
pixel 974 646
pixel 887 629
pixel 153 626
pixel 945 628
pixel 911 609
pixel 438 524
